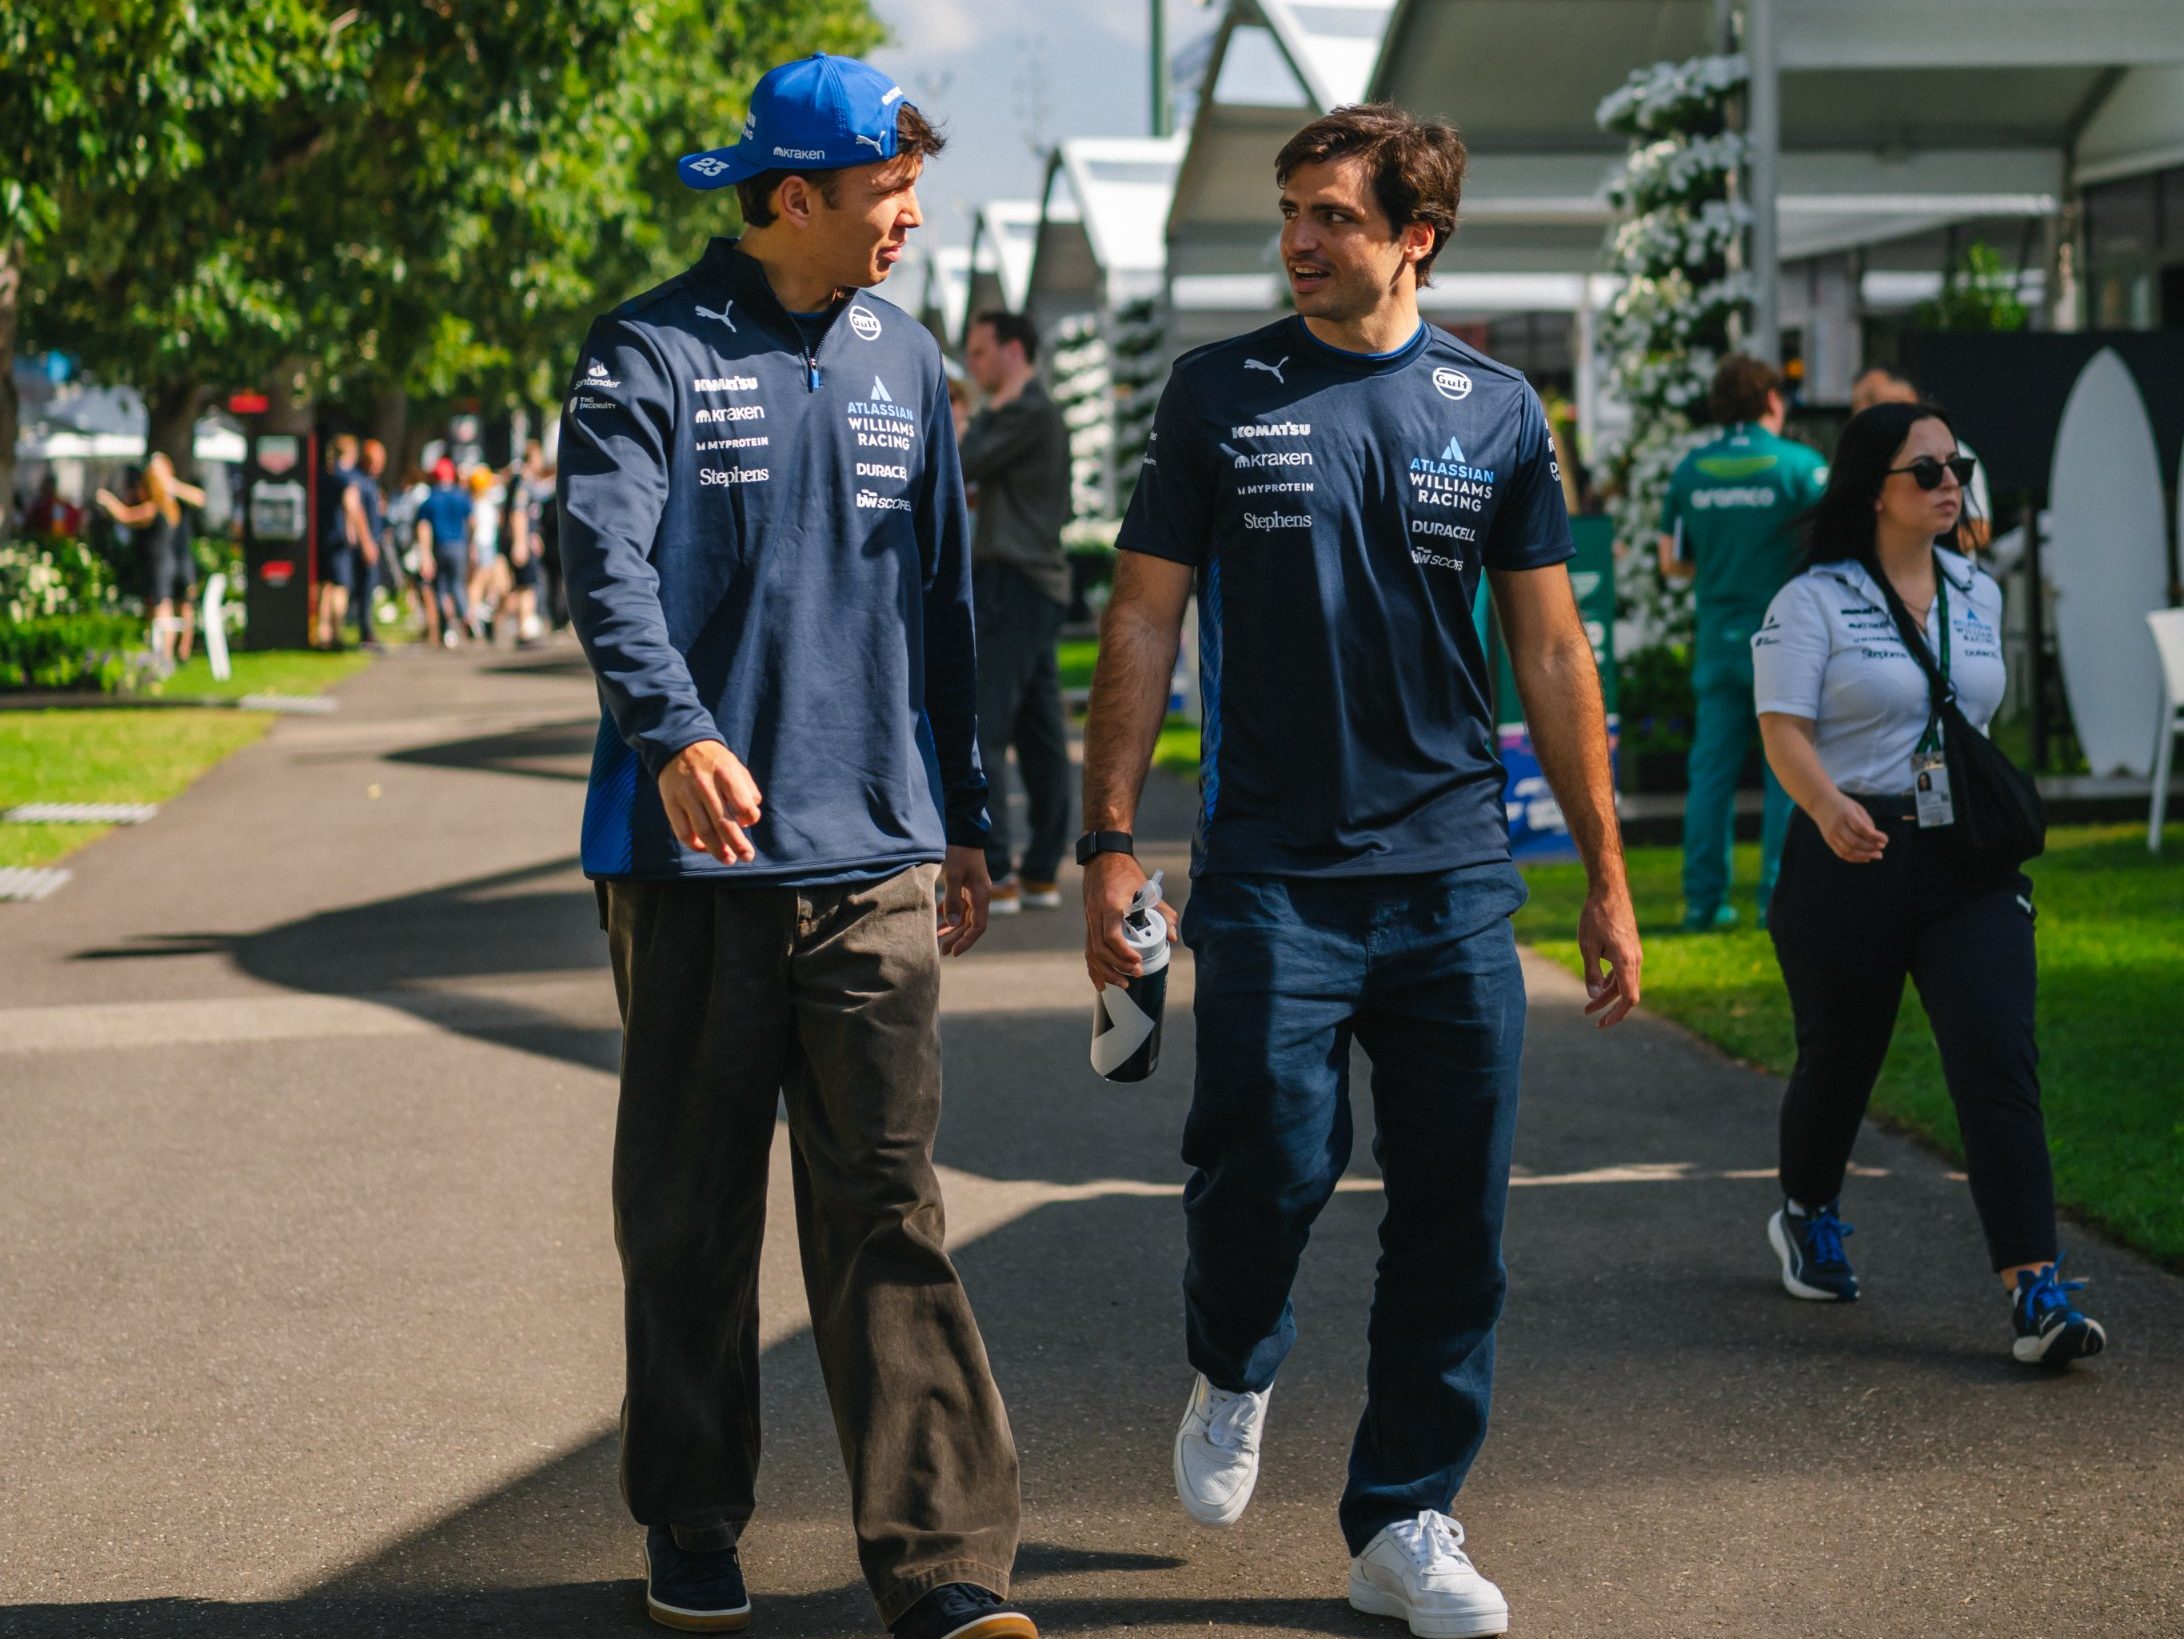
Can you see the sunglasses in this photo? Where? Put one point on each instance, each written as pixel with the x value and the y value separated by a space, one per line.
pixel 1926 471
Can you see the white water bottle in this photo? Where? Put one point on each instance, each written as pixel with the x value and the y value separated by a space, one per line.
pixel 1126 1017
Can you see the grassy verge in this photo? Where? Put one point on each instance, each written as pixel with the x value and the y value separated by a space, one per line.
pixel 1077 656
pixel 115 754
pixel 2111 1036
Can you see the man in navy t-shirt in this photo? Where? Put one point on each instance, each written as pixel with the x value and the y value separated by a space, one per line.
pixel 1332 487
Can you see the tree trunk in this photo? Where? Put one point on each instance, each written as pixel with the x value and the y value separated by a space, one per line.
pixel 11 284
pixel 174 406
pixel 390 425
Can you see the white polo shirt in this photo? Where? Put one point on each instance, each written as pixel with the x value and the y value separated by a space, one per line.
pixel 1829 652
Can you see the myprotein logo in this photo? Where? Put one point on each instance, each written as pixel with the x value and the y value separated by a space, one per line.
pixel 761 441
pixel 865 322
pixel 1273 429
pixel 1451 383
pixel 1277 520
pixel 724 477
pixel 724 384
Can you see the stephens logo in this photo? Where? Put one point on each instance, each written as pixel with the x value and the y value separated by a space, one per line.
pixel 1451 383
pixel 865 322
pixel 873 500
pixel 723 477
pixel 1277 520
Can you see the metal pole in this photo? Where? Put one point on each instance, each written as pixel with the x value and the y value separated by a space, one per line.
pixel 1763 131
pixel 1161 117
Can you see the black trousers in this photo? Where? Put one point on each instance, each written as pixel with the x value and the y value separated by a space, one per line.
pixel 1020 704
pixel 1847 936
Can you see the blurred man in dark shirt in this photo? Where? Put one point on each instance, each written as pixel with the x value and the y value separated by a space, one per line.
pixel 1016 450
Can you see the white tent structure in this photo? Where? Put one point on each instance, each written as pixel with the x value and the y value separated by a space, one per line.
pixel 1274 64
pixel 1003 237
pixel 1099 248
pixel 1903 132
pixel 1100 242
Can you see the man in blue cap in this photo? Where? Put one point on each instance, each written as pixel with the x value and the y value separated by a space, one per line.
pixel 767 560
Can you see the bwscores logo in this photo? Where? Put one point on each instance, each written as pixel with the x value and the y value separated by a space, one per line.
pixel 1450 481
pixel 721 477
pixel 758 443
pixel 871 499
pixel 865 322
pixel 1425 555
pixel 1273 429
pixel 716 414
pixel 724 384
pixel 882 424
pixel 1277 520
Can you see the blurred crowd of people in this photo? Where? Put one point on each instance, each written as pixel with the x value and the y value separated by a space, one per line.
pixel 461 552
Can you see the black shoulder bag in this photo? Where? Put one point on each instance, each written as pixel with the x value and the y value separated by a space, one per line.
pixel 2000 820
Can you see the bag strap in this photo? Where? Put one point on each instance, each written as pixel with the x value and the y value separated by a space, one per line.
pixel 1939 691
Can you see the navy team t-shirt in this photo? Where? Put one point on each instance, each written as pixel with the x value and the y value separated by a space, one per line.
pixel 1337 508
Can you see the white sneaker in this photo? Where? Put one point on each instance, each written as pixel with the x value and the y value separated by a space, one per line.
pixel 1417 1570
pixel 1217 1452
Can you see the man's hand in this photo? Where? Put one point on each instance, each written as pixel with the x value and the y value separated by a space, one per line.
pixel 1607 928
pixel 1111 881
pixel 965 888
pixel 710 799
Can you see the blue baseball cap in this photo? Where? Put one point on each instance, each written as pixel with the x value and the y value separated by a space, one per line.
pixel 819 113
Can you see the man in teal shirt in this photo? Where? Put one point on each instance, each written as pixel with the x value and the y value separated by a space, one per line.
pixel 1726 520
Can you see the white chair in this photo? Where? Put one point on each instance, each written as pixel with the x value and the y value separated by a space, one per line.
pixel 2168 626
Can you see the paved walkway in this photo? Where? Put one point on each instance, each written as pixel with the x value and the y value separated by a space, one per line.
pixel 309 1310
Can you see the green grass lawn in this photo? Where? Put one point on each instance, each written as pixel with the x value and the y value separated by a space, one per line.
pixel 1077 656
pixel 2111 1032
pixel 116 754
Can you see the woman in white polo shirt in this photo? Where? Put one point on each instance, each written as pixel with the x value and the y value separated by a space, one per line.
pixel 1869 895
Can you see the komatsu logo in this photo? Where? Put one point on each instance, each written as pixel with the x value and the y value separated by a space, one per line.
pixel 1273 429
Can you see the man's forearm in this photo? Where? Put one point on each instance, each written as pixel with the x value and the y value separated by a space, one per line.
pixel 1560 688
pixel 1129 703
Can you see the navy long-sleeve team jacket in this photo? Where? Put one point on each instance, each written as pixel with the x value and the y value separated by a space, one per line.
pixel 765 543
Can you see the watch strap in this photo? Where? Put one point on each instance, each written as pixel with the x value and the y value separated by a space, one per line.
pixel 1104 842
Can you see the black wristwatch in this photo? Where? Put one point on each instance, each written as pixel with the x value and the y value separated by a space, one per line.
pixel 1104 842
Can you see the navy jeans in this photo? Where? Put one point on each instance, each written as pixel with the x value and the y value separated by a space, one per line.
pixel 1422 972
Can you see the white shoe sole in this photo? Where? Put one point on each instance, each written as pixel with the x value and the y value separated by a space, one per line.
pixel 1213 1518
pixel 1778 1237
pixel 2033 1351
pixel 1374 1600
pixel 1003 907
pixel 683 1620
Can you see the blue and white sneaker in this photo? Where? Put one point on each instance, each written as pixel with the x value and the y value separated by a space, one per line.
pixel 2050 1331
pixel 693 1592
pixel 1810 1245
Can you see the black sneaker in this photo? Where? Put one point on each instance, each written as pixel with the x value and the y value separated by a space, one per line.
pixel 2050 1332
pixel 695 1592
pixel 1810 1245
pixel 963 1610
